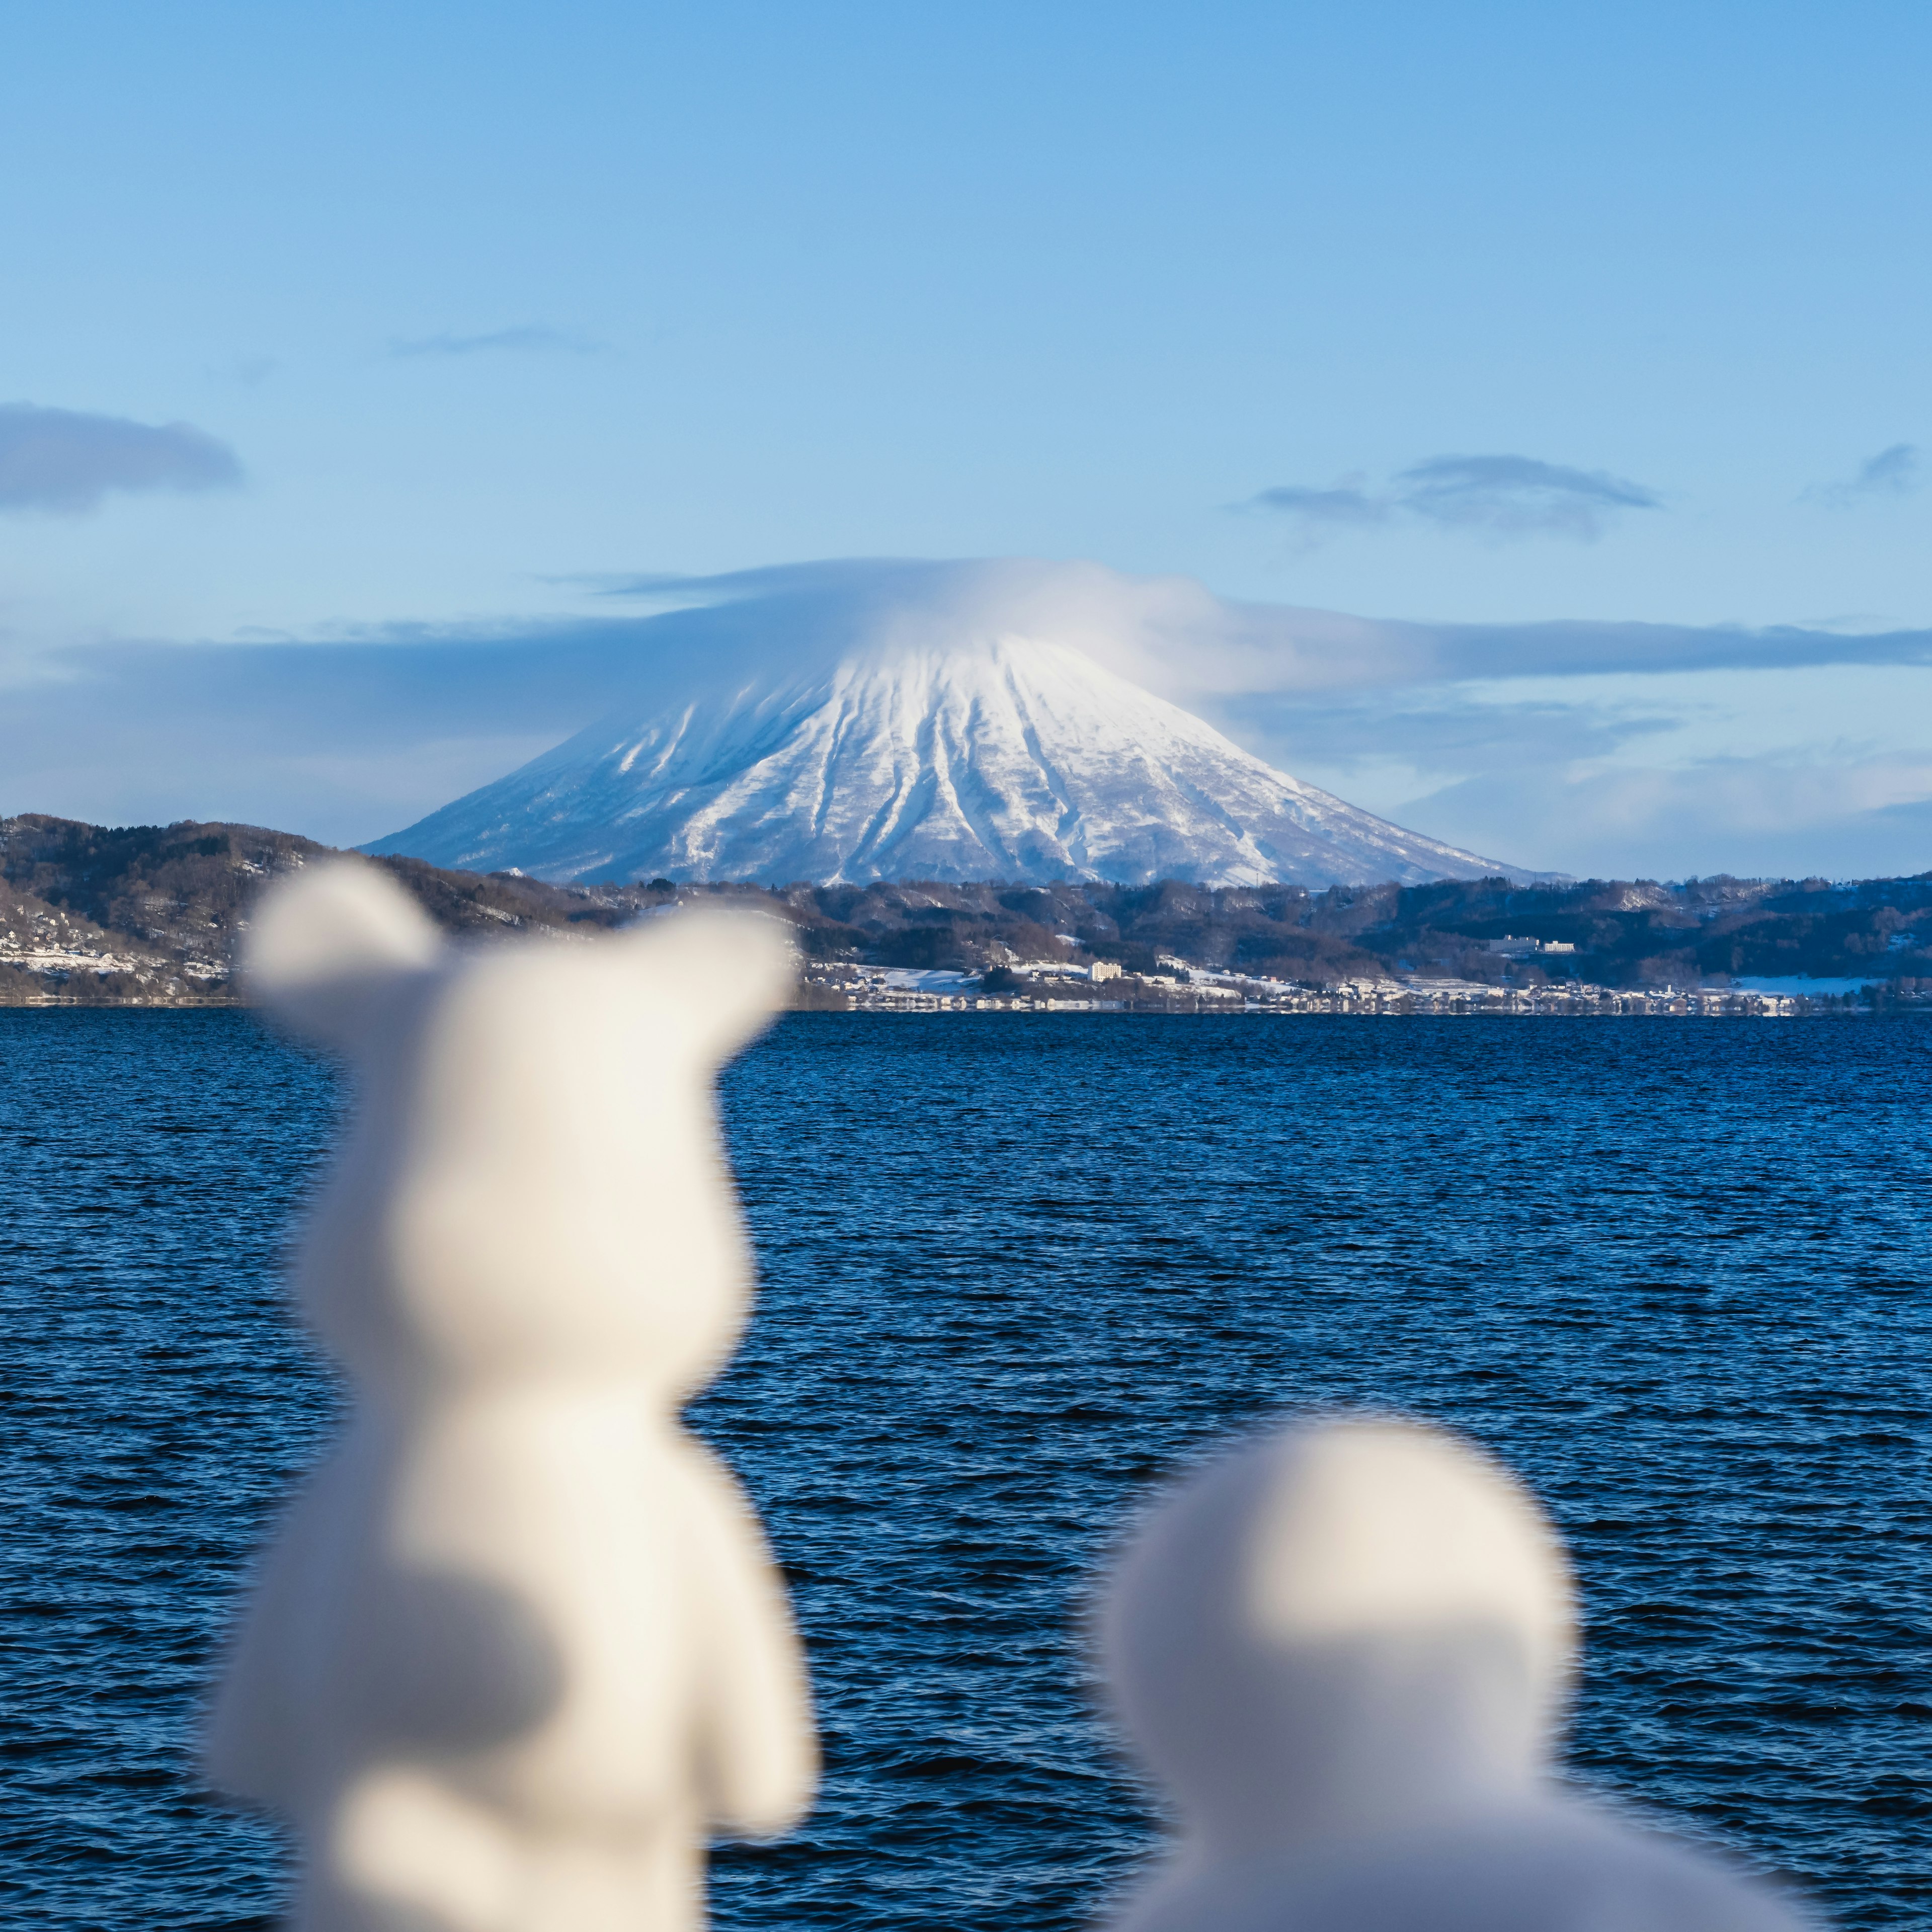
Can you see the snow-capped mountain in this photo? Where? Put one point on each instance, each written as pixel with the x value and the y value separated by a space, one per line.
pixel 1002 757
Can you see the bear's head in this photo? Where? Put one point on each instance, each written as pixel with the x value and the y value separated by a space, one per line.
pixel 533 1185
pixel 1349 1626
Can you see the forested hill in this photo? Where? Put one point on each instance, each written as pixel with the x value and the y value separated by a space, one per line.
pixel 151 915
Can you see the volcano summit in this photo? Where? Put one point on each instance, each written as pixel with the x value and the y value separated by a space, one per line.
pixel 1004 757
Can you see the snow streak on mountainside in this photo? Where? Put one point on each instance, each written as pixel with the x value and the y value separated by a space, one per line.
pixel 1009 759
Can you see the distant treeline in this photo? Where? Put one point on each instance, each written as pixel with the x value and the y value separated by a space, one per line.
pixel 162 906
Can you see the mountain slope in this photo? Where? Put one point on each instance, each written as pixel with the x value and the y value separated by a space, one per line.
pixel 1012 759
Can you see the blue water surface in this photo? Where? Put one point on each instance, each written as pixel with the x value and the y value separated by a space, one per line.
pixel 1015 1268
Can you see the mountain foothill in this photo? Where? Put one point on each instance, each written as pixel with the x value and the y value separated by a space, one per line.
pixel 152 915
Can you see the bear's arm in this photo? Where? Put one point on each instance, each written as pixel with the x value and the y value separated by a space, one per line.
pixel 758 1747
pixel 253 1746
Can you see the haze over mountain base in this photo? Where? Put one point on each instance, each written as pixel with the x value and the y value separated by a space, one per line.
pixel 1004 758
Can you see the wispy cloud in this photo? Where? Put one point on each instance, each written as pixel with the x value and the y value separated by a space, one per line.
pixel 1344 505
pixel 1499 497
pixel 1175 636
pixel 1893 472
pixel 1516 495
pixel 1581 649
pixel 250 371
pixel 1812 811
pixel 1433 732
pixel 343 740
pixel 66 460
pixel 527 339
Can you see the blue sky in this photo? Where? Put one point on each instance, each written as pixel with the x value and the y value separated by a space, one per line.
pixel 359 328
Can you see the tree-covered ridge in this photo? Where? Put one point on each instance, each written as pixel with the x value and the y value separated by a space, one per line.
pixel 154 913
pixel 1625 934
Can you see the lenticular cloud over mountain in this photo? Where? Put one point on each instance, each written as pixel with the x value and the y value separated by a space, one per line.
pixel 956 723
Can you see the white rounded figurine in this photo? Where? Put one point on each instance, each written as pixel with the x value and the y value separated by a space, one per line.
pixel 1343 1652
pixel 519 1648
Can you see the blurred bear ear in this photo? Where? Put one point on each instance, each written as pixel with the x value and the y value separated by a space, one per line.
pixel 729 970
pixel 327 943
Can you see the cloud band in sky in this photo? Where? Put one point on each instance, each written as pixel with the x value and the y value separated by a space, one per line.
pixel 1894 471
pixel 1497 496
pixel 67 460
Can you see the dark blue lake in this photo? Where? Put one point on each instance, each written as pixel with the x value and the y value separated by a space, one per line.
pixel 1678 1273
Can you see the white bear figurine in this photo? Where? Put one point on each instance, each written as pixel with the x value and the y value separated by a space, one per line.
pixel 1343 1652
pixel 519 1648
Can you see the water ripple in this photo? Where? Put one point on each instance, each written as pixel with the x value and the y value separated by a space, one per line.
pixel 1016 1268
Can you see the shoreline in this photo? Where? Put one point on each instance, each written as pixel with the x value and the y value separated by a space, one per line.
pixel 1610 1005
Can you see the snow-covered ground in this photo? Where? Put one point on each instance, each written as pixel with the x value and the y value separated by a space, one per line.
pixel 905 979
pixel 1011 758
pixel 60 959
pixel 70 959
